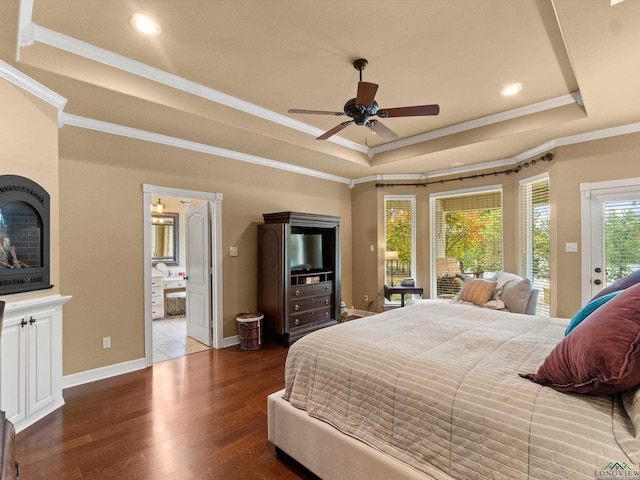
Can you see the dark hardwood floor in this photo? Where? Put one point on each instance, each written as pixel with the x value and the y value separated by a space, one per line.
pixel 202 416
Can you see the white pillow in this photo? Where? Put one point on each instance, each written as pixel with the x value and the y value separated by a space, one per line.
pixel 513 290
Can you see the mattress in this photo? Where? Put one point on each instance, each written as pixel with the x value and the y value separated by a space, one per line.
pixel 436 386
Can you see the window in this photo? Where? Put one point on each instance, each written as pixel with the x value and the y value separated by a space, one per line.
pixel 399 234
pixel 466 229
pixel 610 232
pixel 535 237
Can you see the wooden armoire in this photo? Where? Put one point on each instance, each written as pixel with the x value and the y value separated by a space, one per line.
pixel 298 273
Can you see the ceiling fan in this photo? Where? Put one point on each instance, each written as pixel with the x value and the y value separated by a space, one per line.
pixel 364 106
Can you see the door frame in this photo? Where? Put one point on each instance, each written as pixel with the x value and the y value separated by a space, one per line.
pixel 607 188
pixel 216 260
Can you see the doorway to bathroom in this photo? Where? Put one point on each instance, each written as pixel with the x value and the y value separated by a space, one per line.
pixel 183 308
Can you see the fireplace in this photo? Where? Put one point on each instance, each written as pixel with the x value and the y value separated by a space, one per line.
pixel 24 235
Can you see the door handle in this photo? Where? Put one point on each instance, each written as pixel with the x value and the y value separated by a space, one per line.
pixel 597 281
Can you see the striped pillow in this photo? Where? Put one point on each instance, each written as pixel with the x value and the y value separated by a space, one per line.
pixel 477 291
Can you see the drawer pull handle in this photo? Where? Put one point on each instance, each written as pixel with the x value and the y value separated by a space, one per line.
pixel 23 323
pixel 326 314
pixel 297 321
pixel 326 302
pixel 296 307
pixel 32 320
pixel 297 293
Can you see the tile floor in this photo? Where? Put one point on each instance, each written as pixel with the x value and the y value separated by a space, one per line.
pixel 170 339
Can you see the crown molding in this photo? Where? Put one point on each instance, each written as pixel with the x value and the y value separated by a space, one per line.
pixel 30 33
pixel 28 84
pixel 568 99
pixel 120 62
pixel 120 130
pixel 619 130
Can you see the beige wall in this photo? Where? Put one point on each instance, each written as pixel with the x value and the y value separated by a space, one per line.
pixel 608 159
pixel 101 180
pixel 97 231
pixel 29 148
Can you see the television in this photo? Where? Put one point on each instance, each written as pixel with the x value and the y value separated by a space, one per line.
pixel 305 252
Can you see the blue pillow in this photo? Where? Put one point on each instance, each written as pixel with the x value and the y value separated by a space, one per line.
pixel 588 309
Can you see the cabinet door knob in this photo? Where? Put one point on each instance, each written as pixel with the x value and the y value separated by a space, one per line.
pixel 23 323
pixel 32 320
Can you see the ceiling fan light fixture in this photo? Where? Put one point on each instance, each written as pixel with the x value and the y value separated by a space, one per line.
pixel 145 25
pixel 512 89
pixel 363 106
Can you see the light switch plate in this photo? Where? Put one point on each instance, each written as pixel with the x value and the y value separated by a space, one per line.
pixel 233 251
pixel 571 247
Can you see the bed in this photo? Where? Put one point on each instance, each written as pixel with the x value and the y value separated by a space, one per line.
pixel 433 391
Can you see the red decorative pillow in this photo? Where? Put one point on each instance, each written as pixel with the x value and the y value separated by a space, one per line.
pixel 601 356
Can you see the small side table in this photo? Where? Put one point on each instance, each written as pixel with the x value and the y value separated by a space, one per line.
pixel 389 290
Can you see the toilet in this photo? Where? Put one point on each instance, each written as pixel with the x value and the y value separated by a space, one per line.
pixel 176 303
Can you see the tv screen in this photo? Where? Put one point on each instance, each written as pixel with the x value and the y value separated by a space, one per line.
pixel 306 251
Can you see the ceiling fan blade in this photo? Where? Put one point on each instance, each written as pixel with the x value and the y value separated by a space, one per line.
pixel 416 111
pixel 334 130
pixel 381 130
pixel 316 112
pixel 366 94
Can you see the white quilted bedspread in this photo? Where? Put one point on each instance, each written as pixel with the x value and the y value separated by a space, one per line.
pixel 436 385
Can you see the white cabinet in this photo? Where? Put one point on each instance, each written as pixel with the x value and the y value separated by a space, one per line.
pixel 157 297
pixel 31 357
pixel 174 283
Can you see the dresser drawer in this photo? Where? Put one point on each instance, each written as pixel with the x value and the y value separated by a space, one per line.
pixel 156 291
pixel 310 316
pixel 313 289
pixel 156 301
pixel 156 311
pixel 156 282
pixel 299 305
pixel 170 284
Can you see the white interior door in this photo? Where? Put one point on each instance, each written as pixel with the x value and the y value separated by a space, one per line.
pixel 612 213
pixel 198 237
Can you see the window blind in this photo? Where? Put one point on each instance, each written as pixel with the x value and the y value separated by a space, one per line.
pixel 399 236
pixel 535 239
pixel 468 234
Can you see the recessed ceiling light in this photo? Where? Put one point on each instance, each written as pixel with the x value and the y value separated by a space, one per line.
pixel 145 24
pixel 511 89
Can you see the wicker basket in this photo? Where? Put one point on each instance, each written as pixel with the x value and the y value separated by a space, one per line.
pixel 250 330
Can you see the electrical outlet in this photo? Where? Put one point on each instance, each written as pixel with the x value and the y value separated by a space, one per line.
pixel 106 342
pixel 366 298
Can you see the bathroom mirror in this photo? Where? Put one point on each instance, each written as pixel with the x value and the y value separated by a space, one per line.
pixel 164 238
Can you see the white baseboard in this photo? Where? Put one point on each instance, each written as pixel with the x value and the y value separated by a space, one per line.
pixel 101 373
pixel 360 313
pixel 230 341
